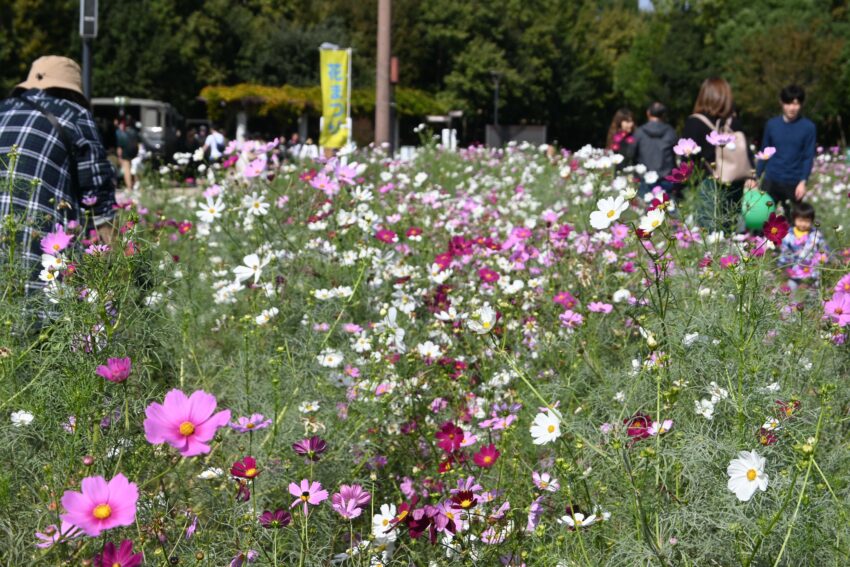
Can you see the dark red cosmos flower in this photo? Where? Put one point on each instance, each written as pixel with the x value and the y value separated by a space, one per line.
pixel 246 468
pixel 775 228
pixel 122 557
pixel 638 426
pixel 449 437
pixel 661 203
pixel 243 492
pixel 464 500
pixel 682 173
pixel 787 409
pixel 450 462
pixel 766 437
pixel 280 518
pixel 413 231
pixel 487 456
pixel 308 175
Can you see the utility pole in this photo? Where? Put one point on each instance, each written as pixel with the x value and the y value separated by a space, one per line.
pixel 88 31
pixel 382 75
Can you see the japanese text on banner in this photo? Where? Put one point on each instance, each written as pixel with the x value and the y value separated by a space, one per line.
pixel 335 98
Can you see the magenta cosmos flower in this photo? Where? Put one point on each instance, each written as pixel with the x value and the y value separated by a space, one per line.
pixel 101 505
pixel 307 493
pixel 116 369
pixel 838 309
pixel 185 423
pixel 121 557
pixel 56 241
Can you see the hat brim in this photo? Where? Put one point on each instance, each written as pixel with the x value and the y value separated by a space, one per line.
pixel 47 83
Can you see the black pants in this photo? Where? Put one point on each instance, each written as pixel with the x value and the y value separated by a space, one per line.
pixel 781 193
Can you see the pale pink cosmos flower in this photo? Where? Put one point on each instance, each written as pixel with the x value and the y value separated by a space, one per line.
pixel 659 428
pixel 599 307
pixel 53 535
pixel 838 309
pixel 544 481
pixel 101 505
pixel 686 147
pixel 245 424
pixel 766 153
pixel 185 423
pixel 715 138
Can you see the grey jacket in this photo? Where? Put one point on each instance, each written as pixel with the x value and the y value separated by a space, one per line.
pixel 654 143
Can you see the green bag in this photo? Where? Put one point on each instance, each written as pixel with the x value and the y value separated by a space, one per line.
pixel 756 207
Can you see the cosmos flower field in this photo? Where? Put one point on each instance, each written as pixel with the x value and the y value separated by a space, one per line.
pixel 488 357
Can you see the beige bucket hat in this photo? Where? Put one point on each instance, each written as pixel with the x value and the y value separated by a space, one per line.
pixel 52 72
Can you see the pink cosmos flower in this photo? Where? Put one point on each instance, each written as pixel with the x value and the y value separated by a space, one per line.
pixel 121 557
pixel 101 505
pixel 56 241
pixel 659 428
pixel 729 261
pixel 349 501
pixel 544 481
pixel 843 285
pixel 116 370
pixel 185 423
pixel 487 456
pixel 838 309
pixel 449 437
pixel 246 424
pixel 599 307
pixel 571 319
pixel 307 493
pixel 565 299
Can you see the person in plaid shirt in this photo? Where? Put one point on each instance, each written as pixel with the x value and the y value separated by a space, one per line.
pixel 36 173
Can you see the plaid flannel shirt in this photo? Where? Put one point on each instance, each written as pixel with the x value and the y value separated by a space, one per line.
pixel 40 185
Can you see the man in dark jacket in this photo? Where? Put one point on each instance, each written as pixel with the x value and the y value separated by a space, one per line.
pixel 653 149
pixel 48 182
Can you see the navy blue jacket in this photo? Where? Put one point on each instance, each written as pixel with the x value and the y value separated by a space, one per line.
pixel 795 144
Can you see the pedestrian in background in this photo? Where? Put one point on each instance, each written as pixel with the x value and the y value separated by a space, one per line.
pixel 653 148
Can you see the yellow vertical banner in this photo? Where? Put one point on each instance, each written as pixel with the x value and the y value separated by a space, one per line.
pixel 336 95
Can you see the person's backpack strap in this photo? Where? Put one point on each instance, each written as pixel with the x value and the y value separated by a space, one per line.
pixel 66 141
pixel 704 119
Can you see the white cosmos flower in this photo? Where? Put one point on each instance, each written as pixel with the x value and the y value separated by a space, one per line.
pixel 211 473
pixel 308 407
pixel 651 220
pixel 253 267
pixel 704 408
pixel 381 524
pixel 255 204
pixel 577 520
pixel 608 211
pixel 428 350
pixel 21 418
pixel 746 475
pixel 50 262
pixel 266 315
pixel 545 428
pixel 211 210
pixel 482 320
pixel 330 358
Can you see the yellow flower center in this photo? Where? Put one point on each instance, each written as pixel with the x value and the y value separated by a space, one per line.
pixel 466 503
pixel 250 473
pixel 249 426
pixel 211 211
pixel 751 474
pixel 187 428
pixel 577 522
pixel 102 511
pixel 551 429
pixel 488 459
pixel 544 485
pixel 56 247
pixel 116 565
pixel 305 496
pixel 655 223
pixel 386 522
pixel 610 214
pixel 402 515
